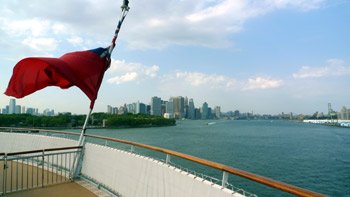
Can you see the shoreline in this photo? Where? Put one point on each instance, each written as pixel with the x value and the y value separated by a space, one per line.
pixel 327 122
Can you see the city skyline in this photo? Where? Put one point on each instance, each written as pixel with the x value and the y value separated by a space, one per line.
pixel 263 56
pixel 188 111
pixel 175 107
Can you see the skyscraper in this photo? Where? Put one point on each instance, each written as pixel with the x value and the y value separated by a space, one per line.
pixel 12 106
pixel 156 106
pixel 179 106
pixel 205 114
pixel 169 107
pixel 191 110
pixel 109 109
pixel 131 108
pixel 23 110
pixel 115 110
pixel 18 109
pixel 330 110
pixel 344 114
pixel 217 111
pixel 140 108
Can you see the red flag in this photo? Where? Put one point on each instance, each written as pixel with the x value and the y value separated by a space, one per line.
pixel 84 69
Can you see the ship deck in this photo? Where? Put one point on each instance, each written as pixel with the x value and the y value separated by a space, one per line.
pixel 63 189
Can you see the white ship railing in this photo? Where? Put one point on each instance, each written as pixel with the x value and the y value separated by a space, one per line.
pixel 226 170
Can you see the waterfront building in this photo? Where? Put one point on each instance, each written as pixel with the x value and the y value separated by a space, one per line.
pixel 115 110
pixel 179 106
pixel 48 112
pixel 186 101
pixel 168 116
pixel 169 107
pixel 122 110
pixel 12 106
pixel 210 114
pixel 197 114
pixel 30 111
pixel 217 111
pixel 3 111
pixel 191 110
pixel 329 109
pixel 205 111
pixel 148 109
pixel 320 115
pixel 18 109
pixel 109 109
pixel 23 110
pixel 131 108
pixel 140 108
pixel 344 114
pixel 156 106
pixel 331 112
pixel 163 107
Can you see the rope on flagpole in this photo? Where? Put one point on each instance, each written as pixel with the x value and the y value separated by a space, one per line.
pixel 125 9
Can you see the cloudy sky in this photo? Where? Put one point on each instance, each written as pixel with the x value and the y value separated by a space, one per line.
pixel 266 56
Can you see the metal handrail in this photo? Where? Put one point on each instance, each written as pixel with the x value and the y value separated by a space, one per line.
pixel 43 150
pixel 38 130
pixel 256 178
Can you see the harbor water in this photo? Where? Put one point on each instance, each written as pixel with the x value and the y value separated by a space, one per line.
pixel 313 157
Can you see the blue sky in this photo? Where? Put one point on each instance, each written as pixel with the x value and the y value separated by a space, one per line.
pixel 266 56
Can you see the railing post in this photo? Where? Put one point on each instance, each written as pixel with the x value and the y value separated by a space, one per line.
pixel 5 174
pixel 42 170
pixel 167 159
pixel 132 148
pixel 224 179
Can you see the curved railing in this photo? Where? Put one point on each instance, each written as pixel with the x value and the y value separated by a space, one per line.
pixel 226 169
pixel 24 170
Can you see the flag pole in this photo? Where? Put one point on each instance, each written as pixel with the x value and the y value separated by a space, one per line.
pixel 83 130
pixel 77 162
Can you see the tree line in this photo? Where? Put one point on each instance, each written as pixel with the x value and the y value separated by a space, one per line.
pixel 68 120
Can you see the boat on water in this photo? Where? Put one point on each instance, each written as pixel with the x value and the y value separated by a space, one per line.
pixel 37 160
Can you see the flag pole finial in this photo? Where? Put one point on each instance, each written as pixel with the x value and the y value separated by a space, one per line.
pixel 125 5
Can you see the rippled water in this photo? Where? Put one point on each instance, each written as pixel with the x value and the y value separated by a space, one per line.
pixel 314 157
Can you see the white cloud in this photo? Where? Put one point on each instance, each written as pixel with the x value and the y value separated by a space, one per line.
pixel 123 72
pixel 197 79
pixel 221 9
pixel 59 28
pixel 75 40
pixel 41 44
pixel 127 77
pixel 199 23
pixel 29 27
pixel 301 4
pixel 334 67
pixel 150 24
pixel 262 83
